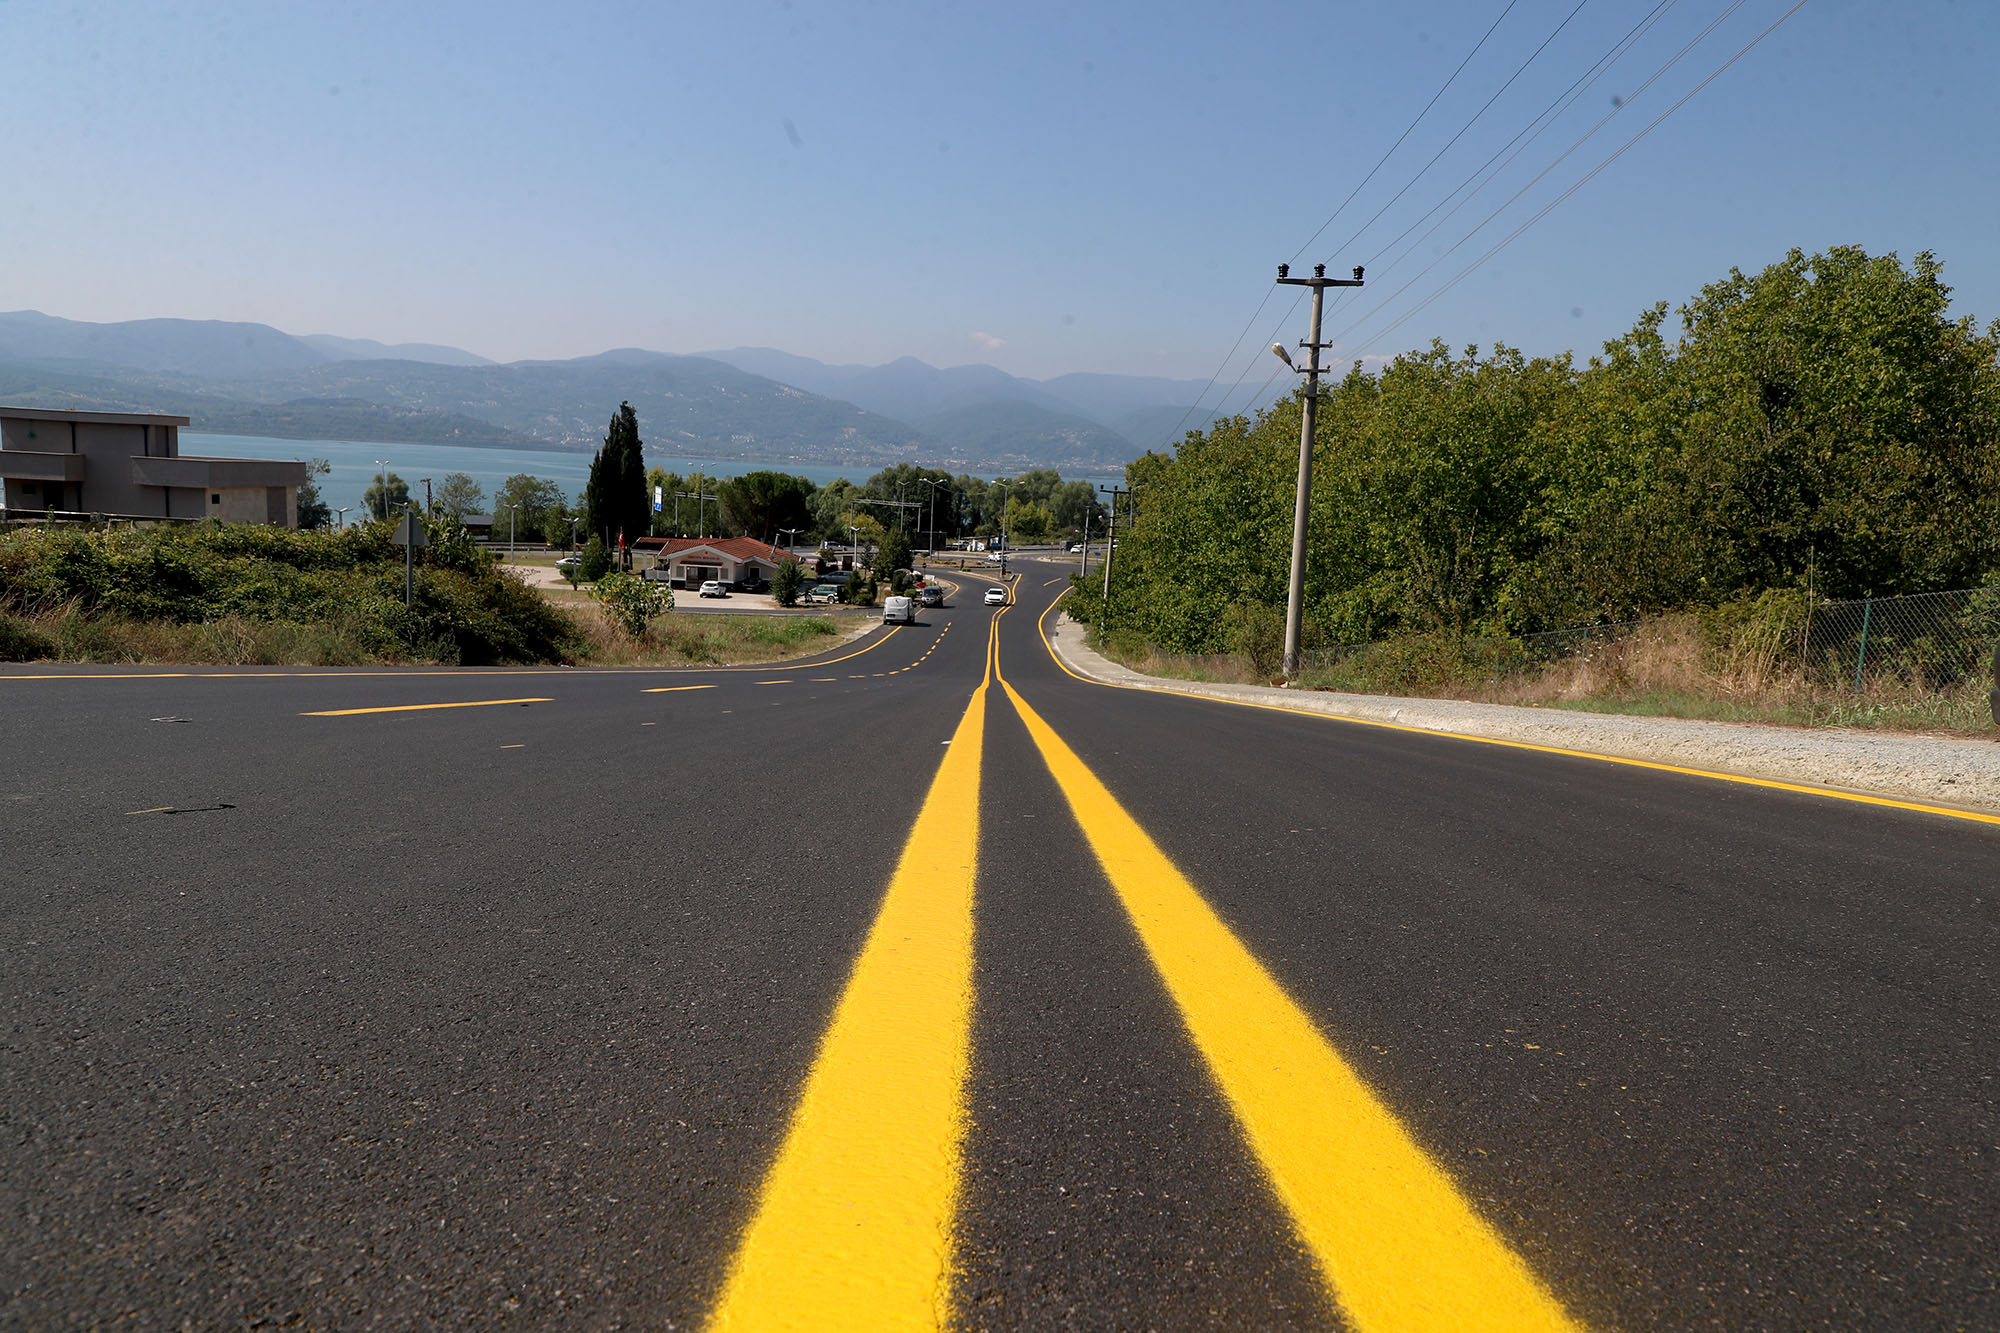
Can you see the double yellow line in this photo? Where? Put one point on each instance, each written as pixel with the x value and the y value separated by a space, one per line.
pixel 854 1227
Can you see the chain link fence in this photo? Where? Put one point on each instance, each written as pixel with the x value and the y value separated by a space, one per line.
pixel 1932 641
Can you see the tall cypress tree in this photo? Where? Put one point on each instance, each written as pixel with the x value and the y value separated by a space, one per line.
pixel 614 499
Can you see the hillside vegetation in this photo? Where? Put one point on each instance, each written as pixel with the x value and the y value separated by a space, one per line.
pixel 1823 424
pixel 222 592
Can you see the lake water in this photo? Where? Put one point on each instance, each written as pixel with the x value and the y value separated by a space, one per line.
pixel 356 464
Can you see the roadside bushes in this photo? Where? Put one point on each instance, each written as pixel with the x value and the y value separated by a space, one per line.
pixel 87 592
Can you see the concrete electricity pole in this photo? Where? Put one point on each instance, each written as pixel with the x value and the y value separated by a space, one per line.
pixel 1110 544
pixel 1295 592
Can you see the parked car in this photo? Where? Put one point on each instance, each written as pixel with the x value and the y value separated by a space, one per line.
pixel 754 584
pixel 996 597
pixel 899 611
pixel 821 592
pixel 569 562
pixel 930 595
pixel 714 588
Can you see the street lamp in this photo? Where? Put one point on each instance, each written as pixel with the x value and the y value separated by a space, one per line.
pixel 933 483
pixel 340 517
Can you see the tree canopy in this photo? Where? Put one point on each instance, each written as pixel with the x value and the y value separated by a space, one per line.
pixel 1824 420
pixel 615 500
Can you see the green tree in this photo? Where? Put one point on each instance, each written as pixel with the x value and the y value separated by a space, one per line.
pixel 596 560
pixel 459 495
pixel 314 512
pixel 523 506
pixel 615 502
pixel 760 503
pixel 1027 520
pixel 386 502
pixel 894 553
pixel 786 584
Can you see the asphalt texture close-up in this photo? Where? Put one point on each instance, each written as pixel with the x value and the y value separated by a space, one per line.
pixel 925 983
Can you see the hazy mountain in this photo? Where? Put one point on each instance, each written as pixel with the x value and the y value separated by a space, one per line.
pixel 205 347
pixel 754 404
pixel 911 390
pixel 686 405
pixel 367 349
pixel 1013 436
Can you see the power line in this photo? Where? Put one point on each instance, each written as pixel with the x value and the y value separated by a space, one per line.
pixel 1252 321
pixel 1473 120
pixel 1592 173
pixel 1598 65
pixel 1587 135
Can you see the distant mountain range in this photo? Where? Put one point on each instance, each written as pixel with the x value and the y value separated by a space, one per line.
pixel 749 404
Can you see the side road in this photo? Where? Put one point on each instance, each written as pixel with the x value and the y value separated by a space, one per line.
pixel 1944 770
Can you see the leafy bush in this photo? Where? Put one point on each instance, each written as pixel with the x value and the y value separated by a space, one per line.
pixel 596 562
pixel 341 588
pixel 631 601
pixel 790 578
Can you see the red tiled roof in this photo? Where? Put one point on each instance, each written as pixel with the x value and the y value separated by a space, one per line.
pixel 740 548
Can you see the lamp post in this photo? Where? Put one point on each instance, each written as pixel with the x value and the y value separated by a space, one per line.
pixel 933 483
pixel 340 518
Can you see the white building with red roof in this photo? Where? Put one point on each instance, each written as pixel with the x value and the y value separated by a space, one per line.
pixel 692 561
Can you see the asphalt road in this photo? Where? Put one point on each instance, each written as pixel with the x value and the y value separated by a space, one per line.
pixel 926 984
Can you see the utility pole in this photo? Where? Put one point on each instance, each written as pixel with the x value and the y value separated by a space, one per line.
pixel 701 514
pixel 1295 592
pixel 1110 543
pixel 428 511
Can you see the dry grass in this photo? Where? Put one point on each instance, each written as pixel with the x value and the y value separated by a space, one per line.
pixel 1665 669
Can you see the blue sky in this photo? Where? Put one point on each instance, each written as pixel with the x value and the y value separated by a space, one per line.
pixel 1044 187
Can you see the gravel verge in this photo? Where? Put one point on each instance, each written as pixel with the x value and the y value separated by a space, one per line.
pixel 1932 769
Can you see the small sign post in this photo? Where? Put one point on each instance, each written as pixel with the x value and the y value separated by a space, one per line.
pixel 410 535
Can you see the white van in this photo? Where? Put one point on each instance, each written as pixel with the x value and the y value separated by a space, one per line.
pixel 899 611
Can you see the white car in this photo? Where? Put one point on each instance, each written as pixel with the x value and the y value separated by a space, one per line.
pixel 714 588
pixel 996 597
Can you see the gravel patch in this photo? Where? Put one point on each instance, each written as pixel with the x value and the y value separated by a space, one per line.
pixel 1932 769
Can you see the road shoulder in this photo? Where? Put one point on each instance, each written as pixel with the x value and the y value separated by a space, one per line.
pixel 1943 770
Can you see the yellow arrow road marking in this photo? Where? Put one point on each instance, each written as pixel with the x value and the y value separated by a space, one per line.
pixel 854 1225
pixel 418 708
pixel 1400 1246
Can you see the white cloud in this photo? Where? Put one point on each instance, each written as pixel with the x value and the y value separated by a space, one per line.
pixel 986 342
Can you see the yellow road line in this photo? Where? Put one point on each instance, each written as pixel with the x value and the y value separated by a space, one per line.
pixel 153 810
pixel 854 1225
pixel 1400 1246
pixel 777 682
pixel 1773 784
pixel 675 689
pixel 419 708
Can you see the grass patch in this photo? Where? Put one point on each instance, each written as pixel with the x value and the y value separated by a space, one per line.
pixel 1667 668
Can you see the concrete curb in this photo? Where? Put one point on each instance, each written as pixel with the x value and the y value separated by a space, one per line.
pixel 1941 770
